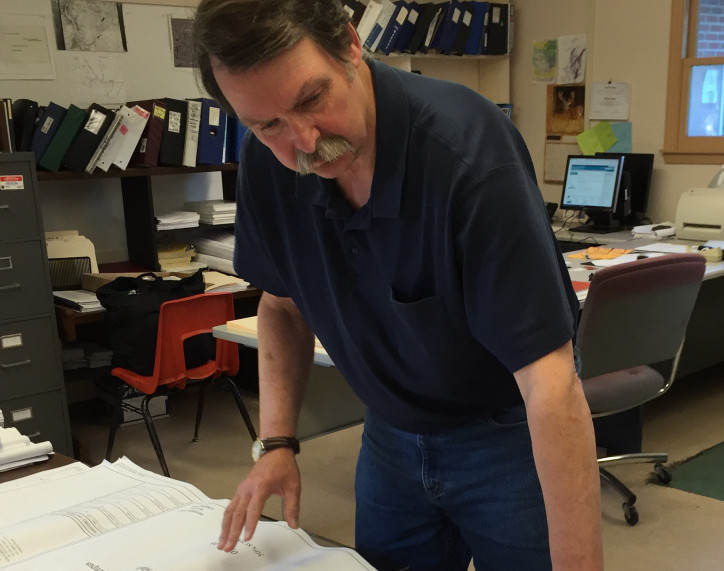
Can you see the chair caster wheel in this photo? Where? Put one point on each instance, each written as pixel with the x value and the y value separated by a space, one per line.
pixel 662 474
pixel 630 513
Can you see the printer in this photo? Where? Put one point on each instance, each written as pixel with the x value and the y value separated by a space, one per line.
pixel 70 255
pixel 700 214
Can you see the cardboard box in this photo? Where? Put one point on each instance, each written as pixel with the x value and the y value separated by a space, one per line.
pixel 158 407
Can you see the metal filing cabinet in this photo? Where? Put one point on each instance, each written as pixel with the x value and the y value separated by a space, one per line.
pixel 32 391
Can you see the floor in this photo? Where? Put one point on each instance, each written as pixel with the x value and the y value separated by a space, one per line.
pixel 677 530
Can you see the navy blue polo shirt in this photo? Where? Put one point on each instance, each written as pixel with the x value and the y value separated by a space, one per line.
pixel 447 281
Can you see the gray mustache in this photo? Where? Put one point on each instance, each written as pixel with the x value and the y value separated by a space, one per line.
pixel 327 149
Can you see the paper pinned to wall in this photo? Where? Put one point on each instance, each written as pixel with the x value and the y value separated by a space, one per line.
pixel 610 101
pixel 96 78
pixel 556 157
pixel 24 49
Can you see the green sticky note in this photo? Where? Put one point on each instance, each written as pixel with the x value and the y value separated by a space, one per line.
pixel 597 139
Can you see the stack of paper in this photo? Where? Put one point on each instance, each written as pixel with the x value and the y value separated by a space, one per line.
pixel 213 211
pixel 177 219
pixel 73 357
pixel 81 355
pixel 103 517
pixel 97 356
pixel 17 450
pixel 218 282
pixel 175 256
pixel 78 299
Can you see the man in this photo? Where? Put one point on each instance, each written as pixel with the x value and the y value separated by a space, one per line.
pixel 398 218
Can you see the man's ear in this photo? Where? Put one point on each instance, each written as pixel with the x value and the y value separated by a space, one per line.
pixel 355 46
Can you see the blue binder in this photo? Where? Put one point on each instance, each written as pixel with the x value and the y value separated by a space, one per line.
pixel 234 135
pixel 476 39
pixel 212 133
pixel 45 128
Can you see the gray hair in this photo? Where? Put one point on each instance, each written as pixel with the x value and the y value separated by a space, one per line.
pixel 240 34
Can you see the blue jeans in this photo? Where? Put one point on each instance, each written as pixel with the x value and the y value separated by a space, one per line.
pixel 433 501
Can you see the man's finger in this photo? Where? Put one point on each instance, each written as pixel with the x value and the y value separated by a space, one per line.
pixel 291 509
pixel 253 512
pixel 232 524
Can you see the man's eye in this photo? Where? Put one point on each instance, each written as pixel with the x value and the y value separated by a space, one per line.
pixel 311 100
pixel 270 125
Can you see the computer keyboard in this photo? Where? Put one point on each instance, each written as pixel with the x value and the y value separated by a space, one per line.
pixel 566 246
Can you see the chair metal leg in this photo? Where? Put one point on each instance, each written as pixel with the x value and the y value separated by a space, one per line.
pixel 242 407
pixel 200 408
pixel 112 429
pixel 637 458
pixel 630 513
pixel 153 434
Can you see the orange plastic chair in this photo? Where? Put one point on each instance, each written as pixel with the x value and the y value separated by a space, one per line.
pixel 179 320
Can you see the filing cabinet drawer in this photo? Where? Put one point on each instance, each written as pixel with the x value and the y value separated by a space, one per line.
pixel 24 289
pixel 18 214
pixel 39 417
pixel 28 359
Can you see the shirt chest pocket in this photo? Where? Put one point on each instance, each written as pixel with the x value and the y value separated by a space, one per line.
pixel 425 331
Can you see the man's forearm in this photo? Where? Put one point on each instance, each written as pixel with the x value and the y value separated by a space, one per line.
pixel 564 451
pixel 286 347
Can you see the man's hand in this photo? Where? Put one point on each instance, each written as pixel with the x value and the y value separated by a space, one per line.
pixel 276 473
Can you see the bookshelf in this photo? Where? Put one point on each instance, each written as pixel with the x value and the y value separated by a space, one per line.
pixel 137 193
pixel 488 75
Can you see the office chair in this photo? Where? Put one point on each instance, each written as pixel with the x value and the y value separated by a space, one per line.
pixel 630 336
pixel 181 320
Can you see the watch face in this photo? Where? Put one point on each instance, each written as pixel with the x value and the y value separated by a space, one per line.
pixel 257 450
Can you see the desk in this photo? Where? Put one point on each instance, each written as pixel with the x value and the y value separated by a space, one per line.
pixel 329 403
pixel 69 319
pixel 704 344
pixel 54 461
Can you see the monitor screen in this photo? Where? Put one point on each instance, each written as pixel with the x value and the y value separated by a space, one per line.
pixel 591 183
pixel 640 167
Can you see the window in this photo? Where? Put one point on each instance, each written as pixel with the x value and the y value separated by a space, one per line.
pixel 695 98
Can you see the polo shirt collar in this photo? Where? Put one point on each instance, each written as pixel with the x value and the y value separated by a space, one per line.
pixel 393 127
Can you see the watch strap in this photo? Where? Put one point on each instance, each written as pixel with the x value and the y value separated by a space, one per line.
pixel 275 442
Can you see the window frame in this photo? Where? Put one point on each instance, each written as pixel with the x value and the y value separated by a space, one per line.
pixel 678 147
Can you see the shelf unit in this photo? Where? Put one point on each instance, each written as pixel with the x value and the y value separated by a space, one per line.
pixel 488 75
pixel 137 193
pixel 32 391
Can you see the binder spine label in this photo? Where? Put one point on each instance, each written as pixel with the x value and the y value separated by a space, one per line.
pixel 47 124
pixel 174 121
pixel 214 116
pixel 95 121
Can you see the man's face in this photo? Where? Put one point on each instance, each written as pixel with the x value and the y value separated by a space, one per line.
pixel 303 102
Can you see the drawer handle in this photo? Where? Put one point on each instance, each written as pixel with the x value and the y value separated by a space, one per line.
pixel 33 435
pixel 4 207
pixel 10 286
pixel 16 364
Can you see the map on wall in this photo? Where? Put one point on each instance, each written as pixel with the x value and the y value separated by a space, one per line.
pixel 96 78
pixel 92 26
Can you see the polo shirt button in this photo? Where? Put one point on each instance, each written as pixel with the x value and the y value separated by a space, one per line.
pixel 355 250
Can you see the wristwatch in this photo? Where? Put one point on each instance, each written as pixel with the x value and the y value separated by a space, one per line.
pixel 263 445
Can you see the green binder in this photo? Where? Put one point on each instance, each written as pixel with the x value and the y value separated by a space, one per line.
pixel 68 129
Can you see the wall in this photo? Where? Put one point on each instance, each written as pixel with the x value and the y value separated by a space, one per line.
pixel 621 48
pixel 95 207
pixel 628 42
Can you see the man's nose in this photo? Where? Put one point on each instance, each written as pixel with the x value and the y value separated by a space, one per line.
pixel 304 134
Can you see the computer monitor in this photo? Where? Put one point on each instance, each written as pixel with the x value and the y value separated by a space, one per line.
pixel 640 167
pixel 591 185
